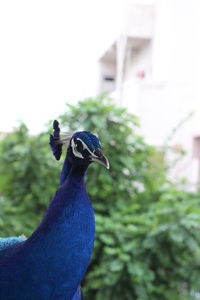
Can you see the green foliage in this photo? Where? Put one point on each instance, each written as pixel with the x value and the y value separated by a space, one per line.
pixel 28 177
pixel 147 228
pixel 147 240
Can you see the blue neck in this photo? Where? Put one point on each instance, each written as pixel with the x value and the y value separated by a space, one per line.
pixel 63 242
pixel 77 172
pixel 65 170
pixel 72 178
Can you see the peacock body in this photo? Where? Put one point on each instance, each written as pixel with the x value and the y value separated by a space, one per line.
pixel 51 263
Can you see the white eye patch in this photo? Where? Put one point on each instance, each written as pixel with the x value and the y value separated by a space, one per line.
pixel 74 150
pixel 85 147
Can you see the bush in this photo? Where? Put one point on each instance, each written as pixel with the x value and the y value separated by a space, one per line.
pixel 147 228
pixel 28 179
pixel 147 240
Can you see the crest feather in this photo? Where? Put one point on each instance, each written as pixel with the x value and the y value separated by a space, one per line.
pixel 56 141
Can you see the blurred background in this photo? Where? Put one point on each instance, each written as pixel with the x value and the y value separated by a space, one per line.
pixel 128 71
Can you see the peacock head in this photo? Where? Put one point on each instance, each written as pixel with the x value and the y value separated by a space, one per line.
pixel 85 148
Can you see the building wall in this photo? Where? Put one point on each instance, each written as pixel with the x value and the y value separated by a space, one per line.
pixel 174 40
pixel 163 107
pixel 137 61
pixel 170 90
pixel 138 20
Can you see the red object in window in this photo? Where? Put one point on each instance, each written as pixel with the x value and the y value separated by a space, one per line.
pixel 140 74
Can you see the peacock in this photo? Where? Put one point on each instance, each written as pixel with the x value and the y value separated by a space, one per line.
pixel 50 264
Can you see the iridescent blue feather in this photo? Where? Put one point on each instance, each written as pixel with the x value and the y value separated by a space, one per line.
pixel 51 263
pixel 56 147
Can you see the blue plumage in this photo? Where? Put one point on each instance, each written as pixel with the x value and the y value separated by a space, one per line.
pixel 56 147
pixel 10 241
pixel 89 139
pixel 51 263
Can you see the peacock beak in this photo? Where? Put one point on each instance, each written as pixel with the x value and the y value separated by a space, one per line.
pixel 102 159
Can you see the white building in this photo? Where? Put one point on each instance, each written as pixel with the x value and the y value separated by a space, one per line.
pixel 152 67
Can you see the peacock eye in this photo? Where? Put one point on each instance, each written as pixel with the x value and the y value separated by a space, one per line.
pixel 79 146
